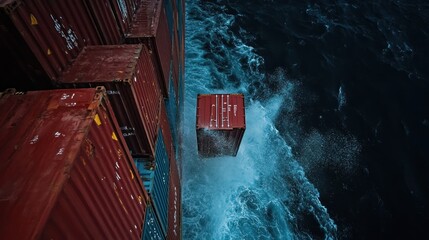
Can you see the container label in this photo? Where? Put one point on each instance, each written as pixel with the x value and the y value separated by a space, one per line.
pixel 112 92
pixel 67 34
pixel 97 119
pixel 33 20
pixel 114 136
pixel 123 9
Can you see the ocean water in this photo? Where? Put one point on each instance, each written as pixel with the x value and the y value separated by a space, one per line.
pixel 337 138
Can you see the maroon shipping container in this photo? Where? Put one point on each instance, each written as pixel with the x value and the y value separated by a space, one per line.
pixel 105 20
pixel 19 66
pixel 220 124
pixel 66 172
pixel 150 27
pixel 55 31
pixel 126 71
pixel 174 204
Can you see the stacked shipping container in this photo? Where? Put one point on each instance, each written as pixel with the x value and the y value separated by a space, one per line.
pixel 66 171
pixel 54 48
pixel 130 80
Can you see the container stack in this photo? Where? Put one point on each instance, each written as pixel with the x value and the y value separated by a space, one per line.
pixel 107 72
pixel 66 171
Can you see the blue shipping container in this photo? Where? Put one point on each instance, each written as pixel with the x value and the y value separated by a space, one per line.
pixel 155 176
pixel 152 229
pixel 159 194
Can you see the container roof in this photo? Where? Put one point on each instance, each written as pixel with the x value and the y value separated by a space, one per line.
pixel 117 63
pixel 146 19
pixel 220 111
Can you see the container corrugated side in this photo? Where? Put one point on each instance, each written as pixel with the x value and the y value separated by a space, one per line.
pixel 124 11
pixel 150 28
pixel 175 204
pixel 105 21
pixel 220 142
pixel 152 228
pixel 19 67
pixel 159 195
pixel 55 31
pixel 65 170
pixel 129 77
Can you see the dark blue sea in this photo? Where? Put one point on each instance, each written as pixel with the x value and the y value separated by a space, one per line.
pixel 337 106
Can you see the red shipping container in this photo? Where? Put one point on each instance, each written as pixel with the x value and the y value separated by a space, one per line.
pixel 126 71
pixel 220 124
pixel 175 204
pixel 65 170
pixel 150 28
pixel 19 66
pixel 55 31
pixel 105 20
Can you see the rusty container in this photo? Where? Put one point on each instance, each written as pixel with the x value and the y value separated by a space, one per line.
pixel 55 31
pixel 220 124
pixel 65 170
pixel 127 73
pixel 150 27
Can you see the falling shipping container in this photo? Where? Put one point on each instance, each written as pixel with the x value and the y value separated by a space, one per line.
pixel 55 31
pixel 127 73
pixel 220 124
pixel 66 172
pixel 150 27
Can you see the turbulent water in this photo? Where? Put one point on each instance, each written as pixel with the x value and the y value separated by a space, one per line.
pixel 336 145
